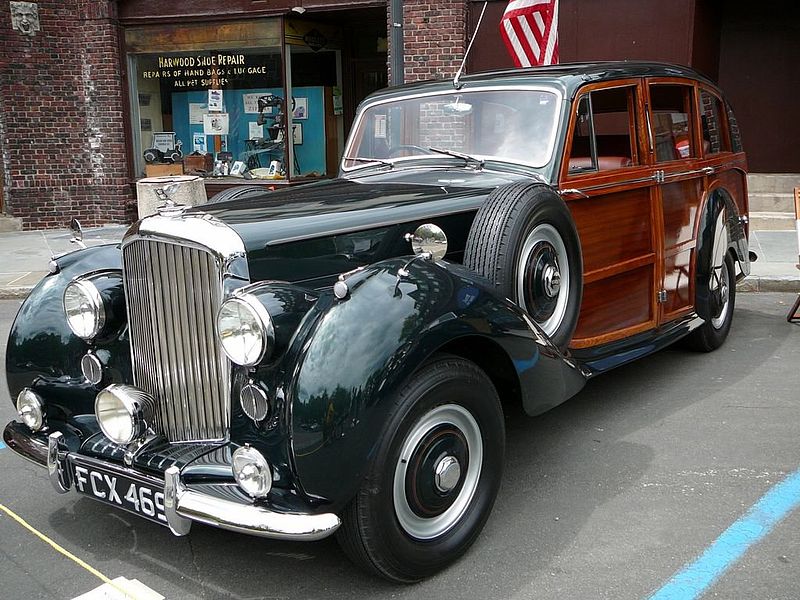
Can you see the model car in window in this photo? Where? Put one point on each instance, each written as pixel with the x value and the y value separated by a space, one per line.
pixel 284 364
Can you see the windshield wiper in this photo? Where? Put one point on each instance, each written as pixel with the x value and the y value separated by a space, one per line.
pixel 375 161
pixel 469 159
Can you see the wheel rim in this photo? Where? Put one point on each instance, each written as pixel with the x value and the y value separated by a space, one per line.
pixel 719 284
pixel 721 281
pixel 543 277
pixel 437 472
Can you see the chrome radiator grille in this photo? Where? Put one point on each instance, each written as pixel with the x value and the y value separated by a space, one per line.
pixel 173 294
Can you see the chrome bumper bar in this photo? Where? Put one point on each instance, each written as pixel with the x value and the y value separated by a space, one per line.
pixel 183 505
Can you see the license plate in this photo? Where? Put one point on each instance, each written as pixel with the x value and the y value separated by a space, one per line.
pixel 134 494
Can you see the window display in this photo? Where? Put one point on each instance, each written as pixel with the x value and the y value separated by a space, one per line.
pixel 223 91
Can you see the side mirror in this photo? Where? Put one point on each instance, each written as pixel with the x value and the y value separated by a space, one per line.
pixel 77 233
pixel 428 240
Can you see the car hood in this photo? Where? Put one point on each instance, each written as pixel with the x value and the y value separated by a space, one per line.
pixel 340 205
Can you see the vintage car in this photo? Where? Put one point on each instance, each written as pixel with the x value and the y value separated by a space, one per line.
pixel 336 357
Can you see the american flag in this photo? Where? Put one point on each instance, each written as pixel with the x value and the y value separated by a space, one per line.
pixel 530 30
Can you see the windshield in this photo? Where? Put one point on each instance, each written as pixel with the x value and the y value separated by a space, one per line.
pixel 507 125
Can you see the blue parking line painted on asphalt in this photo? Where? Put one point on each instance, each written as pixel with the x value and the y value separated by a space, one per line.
pixel 696 577
pixel 2 445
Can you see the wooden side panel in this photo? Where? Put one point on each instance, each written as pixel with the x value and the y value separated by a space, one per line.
pixel 680 202
pixel 679 282
pixel 619 304
pixel 617 242
pixel 613 228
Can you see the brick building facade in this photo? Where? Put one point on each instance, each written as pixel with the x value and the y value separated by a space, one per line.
pixel 62 118
pixel 70 135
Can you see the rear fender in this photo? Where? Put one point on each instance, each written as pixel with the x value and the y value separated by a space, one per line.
pixel 718 199
pixel 364 348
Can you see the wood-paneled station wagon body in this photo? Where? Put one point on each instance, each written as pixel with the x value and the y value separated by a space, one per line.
pixel 335 358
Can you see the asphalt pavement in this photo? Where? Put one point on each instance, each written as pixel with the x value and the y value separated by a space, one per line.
pixel 609 496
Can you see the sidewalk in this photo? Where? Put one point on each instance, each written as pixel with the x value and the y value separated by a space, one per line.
pixel 24 258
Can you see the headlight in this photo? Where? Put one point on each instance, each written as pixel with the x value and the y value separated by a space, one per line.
pixel 84 309
pixel 123 412
pixel 30 409
pixel 252 471
pixel 245 330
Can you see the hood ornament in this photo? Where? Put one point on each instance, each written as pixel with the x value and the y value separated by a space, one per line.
pixel 170 208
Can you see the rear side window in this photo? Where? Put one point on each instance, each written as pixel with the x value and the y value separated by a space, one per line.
pixel 671 112
pixel 733 126
pixel 712 121
pixel 604 135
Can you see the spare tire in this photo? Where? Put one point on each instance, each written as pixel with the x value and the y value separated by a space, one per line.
pixel 524 241
pixel 238 192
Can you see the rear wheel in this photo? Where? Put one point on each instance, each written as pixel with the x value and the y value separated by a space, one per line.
pixel 434 478
pixel 713 333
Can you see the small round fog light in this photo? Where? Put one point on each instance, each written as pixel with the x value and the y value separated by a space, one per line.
pixel 252 471
pixel 30 409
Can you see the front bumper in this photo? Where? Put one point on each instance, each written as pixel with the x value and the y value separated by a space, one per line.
pixel 182 504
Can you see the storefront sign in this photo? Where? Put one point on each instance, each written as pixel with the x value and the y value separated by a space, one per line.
pixel 203 71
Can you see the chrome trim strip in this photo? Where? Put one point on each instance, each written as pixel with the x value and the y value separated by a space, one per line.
pixel 603 186
pixel 182 506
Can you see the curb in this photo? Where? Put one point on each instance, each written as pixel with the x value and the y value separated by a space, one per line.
pixel 769 284
pixel 748 285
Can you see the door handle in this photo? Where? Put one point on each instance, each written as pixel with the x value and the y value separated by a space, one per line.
pixel 573 191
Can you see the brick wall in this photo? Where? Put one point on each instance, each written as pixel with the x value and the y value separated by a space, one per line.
pixel 434 36
pixel 61 117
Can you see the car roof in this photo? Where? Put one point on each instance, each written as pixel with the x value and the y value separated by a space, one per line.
pixel 566 76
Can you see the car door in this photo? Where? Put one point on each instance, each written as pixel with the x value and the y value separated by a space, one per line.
pixel 606 182
pixel 674 148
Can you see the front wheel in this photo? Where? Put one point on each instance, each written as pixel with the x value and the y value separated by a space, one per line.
pixel 434 478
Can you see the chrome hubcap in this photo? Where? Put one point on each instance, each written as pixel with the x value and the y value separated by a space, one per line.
pixel 551 280
pixel 437 472
pixel 448 474
pixel 543 277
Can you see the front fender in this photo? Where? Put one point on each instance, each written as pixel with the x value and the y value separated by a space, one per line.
pixel 365 347
pixel 44 354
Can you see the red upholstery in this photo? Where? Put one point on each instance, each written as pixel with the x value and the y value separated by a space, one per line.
pixel 605 163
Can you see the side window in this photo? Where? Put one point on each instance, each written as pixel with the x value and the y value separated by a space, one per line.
pixel 605 132
pixel 671 112
pixel 733 125
pixel 712 120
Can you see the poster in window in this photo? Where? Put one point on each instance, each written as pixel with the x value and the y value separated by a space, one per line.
pixel 255 131
pixel 215 124
pixel 199 143
pixel 214 100
pixel 250 102
pixel 196 112
pixel 300 108
pixel 380 127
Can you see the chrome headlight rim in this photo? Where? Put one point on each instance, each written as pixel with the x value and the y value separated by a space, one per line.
pixel 136 412
pixel 92 295
pixel 30 409
pixel 247 456
pixel 262 321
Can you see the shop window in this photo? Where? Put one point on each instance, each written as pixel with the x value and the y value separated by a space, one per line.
pixel 670 110
pixel 604 135
pixel 715 135
pixel 218 100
